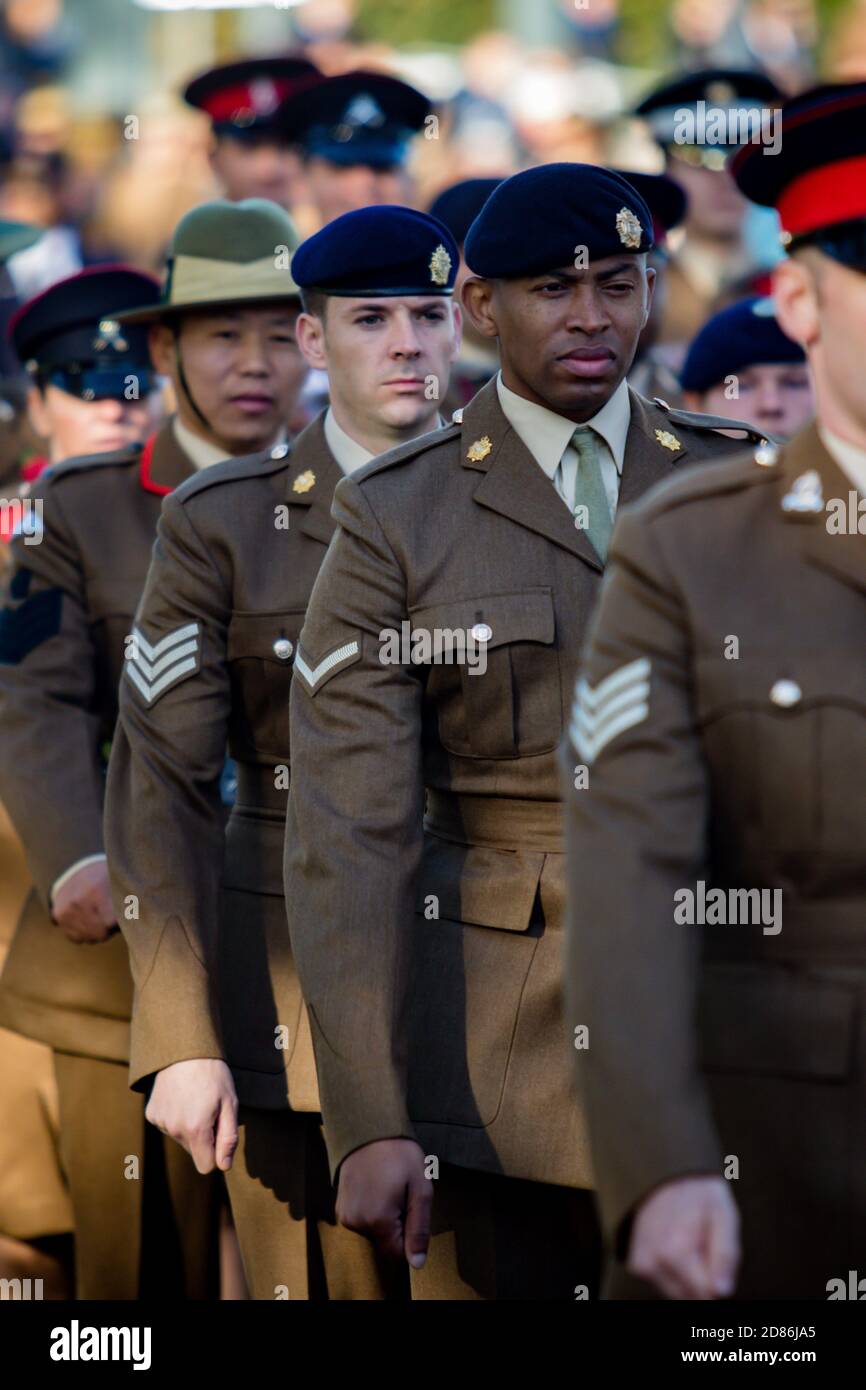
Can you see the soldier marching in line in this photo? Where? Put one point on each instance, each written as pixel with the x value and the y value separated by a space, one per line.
pixel 223 332
pixel 219 1029
pixel 428 945
pixel 721 714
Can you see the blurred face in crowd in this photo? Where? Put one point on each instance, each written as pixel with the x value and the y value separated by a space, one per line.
pixel 821 304
pixel 243 369
pixel 776 397
pixel 388 359
pixel 256 167
pixel 73 426
pixel 716 206
pixel 566 337
pixel 339 188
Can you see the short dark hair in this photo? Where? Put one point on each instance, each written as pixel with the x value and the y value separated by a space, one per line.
pixel 314 302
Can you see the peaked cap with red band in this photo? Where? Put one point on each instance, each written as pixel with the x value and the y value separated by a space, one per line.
pixel 817 180
pixel 245 96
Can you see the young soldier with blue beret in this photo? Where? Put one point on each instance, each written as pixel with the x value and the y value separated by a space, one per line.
pixel 717 926
pixel 222 329
pixel 742 362
pixel 424 872
pixel 219 1032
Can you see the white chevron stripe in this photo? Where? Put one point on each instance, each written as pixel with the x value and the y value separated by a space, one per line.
pixel 635 670
pixel 171 677
pixel 151 653
pixel 313 675
pixel 617 703
pixel 150 672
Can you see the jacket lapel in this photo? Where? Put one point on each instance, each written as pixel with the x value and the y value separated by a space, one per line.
pixel 312 475
pixel 511 482
pixel 168 463
pixel 649 456
pixel 842 551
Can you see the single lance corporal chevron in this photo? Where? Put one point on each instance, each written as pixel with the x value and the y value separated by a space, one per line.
pixel 153 669
pixel 617 703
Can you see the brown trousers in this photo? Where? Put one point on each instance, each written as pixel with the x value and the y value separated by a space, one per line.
pixel 146 1223
pixel 283 1205
pixel 495 1237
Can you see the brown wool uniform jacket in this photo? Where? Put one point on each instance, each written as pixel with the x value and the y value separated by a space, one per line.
pixel 66 609
pixel 714 1041
pixel 445 1022
pixel 237 551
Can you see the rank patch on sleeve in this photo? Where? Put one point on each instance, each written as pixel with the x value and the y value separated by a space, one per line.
pixel 314 677
pixel 155 668
pixel 617 703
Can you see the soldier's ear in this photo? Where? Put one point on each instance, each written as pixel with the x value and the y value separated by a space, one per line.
pixel 795 292
pixel 37 412
pixel 310 334
pixel 477 296
pixel 160 341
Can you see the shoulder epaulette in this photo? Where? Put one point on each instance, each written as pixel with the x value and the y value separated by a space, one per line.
pixel 692 419
pixel 81 463
pixel 403 453
pixel 233 470
pixel 730 474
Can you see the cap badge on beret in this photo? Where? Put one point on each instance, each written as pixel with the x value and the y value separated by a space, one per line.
pixel 109 334
pixel 479 449
pixel 668 440
pixel 304 481
pixel 440 266
pixel 629 228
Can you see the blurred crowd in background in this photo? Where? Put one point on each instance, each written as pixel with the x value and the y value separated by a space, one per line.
pixel 99 148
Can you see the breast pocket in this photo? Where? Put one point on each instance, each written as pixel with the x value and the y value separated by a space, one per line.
pixel 786 743
pixel 494 682
pixel 260 654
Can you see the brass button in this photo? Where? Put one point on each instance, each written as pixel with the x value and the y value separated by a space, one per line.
pixel 283 648
pixel 482 632
pixel 786 693
pixel 766 454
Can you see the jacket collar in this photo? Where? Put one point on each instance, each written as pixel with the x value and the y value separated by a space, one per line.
pixel 830 535
pixel 164 464
pixel 513 484
pixel 311 477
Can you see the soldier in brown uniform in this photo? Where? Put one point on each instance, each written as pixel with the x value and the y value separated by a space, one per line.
pixel 441 637
pixel 717 924
pixel 218 1013
pixel 226 339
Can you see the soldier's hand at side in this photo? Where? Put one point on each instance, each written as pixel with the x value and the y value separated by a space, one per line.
pixel 196 1104
pixel 382 1192
pixel 82 906
pixel 686 1239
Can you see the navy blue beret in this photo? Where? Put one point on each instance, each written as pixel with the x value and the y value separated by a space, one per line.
pixel 73 321
pixel 386 250
pixel 740 336
pixel 535 220
pixel 459 205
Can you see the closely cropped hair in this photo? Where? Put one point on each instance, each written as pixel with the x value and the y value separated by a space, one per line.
pixel 314 302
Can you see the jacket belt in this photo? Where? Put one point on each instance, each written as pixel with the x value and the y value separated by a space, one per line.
pixel 495 820
pixel 256 790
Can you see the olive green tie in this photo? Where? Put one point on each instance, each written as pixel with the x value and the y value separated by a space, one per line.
pixel 589 490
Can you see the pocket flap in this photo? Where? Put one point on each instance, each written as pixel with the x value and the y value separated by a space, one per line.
pixel 524 616
pixel 773 1021
pixel 783 686
pixel 264 635
pixel 478 885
